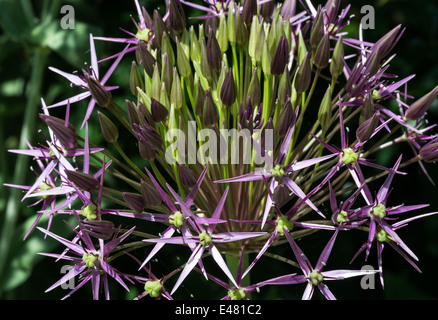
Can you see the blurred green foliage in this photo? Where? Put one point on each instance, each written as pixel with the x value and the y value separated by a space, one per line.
pixel 31 40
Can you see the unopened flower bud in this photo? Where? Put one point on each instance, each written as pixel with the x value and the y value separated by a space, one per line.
pixel 429 152
pixel 135 79
pixel 228 91
pixel 322 53
pixel 147 59
pixel 205 66
pixel 186 175
pixel 287 118
pixel 176 17
pixel 132 113
pixel 325 110
pixel 108 129
pixel 222 36
pixel 367 128
pixel 150 194
pixel 317 30
pixel 176 95
pixel 134 201
pixel 241 30
pixel 214 54
pixel 337 63
pixel 419 107
pixel 166 46
pixel 66 134
pixel 267 9
pixel 195 47
pixel 98 91
pixel 100 229
pixel 182 61
pixel 281 194
pixel 167 72
pixel 146 152
pixel 254 89
pixel 159 28
pixel 249 10
pixel 288 9
pixel 199 99
pixel 158 111
pixel 82 180
pixel 281 57
pixel 284 87
pixel 209 115
pixel 303 75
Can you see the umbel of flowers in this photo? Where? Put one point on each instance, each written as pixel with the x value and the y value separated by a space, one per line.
pixel 245 129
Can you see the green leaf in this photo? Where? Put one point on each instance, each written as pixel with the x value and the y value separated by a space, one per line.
pixel 24 253
pixel 12 19
pixel 67 43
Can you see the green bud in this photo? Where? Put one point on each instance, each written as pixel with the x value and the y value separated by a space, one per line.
pixel 316 277
pixel 135 79
pixel 167 72
pixel 284 87
pixel 89 259
pixel 89 212
pixel 108 129
pixel 278 171
pixel 317 30
pixel 182 61
pixel 303 74
pixel 166 46
pixel 44 187
pixel 156 83
pixel 254 89
pixel 159 29
pixel 236 294
pixel 177 219
pixel 342 217
pixel 325 110
pixel 349 156
pixel 176 96
pixel 153 288
pixel 337 63
pixel 254 36
pixel 241 29
pixel 222 36
pixel 195 47
pixel 382 236
pixel 283 222
pixel 204 238
pixel 231 22
pixel 379 211
pixel 205 68
pixel 266 58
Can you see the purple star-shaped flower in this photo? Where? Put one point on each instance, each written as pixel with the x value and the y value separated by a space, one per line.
pixel 91 262
pixel 315 276
pixel 81 81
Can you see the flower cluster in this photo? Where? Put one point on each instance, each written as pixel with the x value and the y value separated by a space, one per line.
pixel 245 130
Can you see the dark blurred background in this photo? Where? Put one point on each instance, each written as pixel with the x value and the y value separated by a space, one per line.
pixel 31 40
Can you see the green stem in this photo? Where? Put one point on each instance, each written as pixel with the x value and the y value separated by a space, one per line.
pixel 13 207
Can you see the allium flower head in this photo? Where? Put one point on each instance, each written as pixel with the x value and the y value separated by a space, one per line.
pixel 241 132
